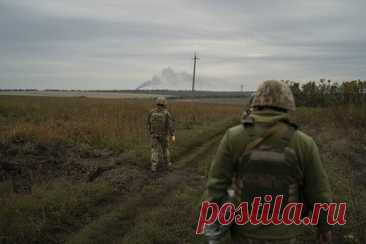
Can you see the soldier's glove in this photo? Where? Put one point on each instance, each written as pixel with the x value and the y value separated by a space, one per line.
pixel 173 139
pixel 215 232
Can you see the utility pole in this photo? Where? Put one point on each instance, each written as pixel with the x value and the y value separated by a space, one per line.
pixel 194 71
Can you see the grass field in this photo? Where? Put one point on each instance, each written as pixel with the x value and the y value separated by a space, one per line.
pixel 102 123
pixel 90 164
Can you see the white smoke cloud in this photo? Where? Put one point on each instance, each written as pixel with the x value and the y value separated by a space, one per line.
pixel 172 80
pixel 169 79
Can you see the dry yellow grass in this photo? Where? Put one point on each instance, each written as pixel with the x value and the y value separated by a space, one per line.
pixel 98 122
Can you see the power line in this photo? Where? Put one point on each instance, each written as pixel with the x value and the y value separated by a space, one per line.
pixel 194 71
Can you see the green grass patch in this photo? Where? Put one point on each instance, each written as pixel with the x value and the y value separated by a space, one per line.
pixel 50 212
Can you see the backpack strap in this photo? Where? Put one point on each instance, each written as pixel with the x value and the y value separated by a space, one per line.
pixel 278 128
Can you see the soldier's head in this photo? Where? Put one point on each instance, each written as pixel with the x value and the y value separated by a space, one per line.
pixel 161 102
pixel 274 94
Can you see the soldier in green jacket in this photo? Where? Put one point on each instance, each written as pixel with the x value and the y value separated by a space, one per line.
pixel 161 126
pixel 284 162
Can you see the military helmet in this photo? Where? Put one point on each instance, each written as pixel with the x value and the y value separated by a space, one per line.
pixel 273 93
pixel 161 101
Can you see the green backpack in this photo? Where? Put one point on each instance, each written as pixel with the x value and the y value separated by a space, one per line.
pixel 158 122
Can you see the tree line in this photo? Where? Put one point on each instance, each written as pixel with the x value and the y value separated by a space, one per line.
pixel 326 92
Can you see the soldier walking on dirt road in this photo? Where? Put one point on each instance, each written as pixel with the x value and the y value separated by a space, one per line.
pixel 161 126
pixel 267 155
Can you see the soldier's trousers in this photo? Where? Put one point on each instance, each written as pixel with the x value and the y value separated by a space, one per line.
pixel 160 155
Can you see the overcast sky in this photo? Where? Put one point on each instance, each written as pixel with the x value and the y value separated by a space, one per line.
pixel 118 44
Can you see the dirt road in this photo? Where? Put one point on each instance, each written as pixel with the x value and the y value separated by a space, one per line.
pixel 132 218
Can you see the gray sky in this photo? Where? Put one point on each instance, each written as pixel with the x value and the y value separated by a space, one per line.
pixel 118 44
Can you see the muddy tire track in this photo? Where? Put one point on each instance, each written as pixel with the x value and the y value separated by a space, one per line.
pixel 114 224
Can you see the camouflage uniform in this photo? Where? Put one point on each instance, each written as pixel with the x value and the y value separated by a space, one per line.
pixel 304 180
pixel 161 127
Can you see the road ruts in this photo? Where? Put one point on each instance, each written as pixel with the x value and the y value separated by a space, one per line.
pixel 112 226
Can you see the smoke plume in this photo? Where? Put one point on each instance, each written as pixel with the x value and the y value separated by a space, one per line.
pixel 168 79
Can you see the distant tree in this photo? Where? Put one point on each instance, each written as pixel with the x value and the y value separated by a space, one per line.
pixel 328 93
